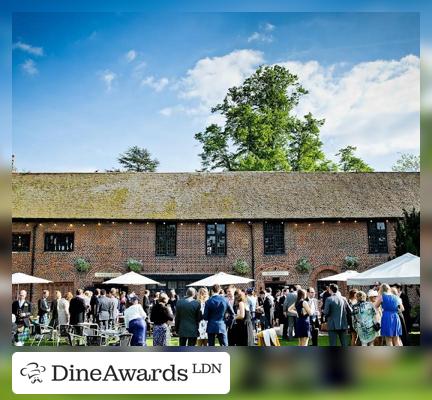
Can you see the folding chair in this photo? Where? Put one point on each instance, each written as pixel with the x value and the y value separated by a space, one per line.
pixel 42 332
pixel 76 340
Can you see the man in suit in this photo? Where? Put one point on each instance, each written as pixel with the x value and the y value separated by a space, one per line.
pixel 337 311
pixel 21 310
pixel 77 309
pixel 187 318
pixel 93 305
pixel 104 310
pixel 214 313
pixel 229 321
pixel 291 317
pixel 44 308
pixel 113 307
pixel 314 318
pixel 146 301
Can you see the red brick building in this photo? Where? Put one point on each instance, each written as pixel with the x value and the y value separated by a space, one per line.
pixel 185 226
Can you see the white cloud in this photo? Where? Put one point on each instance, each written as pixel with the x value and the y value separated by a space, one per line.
pixel 29 49
pixel 373 105
pixel 131 55
pixel 108 77
pixel 156 84
pixel 29 67
pixel 138 70
pixel 263 34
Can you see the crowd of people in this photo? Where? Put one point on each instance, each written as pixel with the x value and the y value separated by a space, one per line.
pixel 233 315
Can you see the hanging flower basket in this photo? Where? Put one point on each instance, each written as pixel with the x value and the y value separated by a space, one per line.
pixel 134 265
pixel 82 265
pixel 241 267
pixel 303 265
pixel 351 262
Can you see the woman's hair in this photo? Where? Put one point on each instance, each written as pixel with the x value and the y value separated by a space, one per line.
pixel 301 294
pixel 239 296
pixel 69 296
pixel 361 296
pixel 58 294
pixel 163 298
pixel 385 288
pixel 394 291
pixel 352 294
pixel 203 295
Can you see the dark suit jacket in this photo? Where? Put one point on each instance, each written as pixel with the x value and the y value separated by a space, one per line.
pixel 188 316
pixel 146 304
pixel 23 313
pixel 44 307
pixel 93 305
pixel 54 313
pixel 77 310
pixel 337 311
pixel 214 312
pixel 104 308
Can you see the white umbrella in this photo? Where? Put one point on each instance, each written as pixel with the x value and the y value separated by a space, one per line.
pixel 131 278
pixel 18 278
pixel 342 277
pixel 221 278
pixel 404 270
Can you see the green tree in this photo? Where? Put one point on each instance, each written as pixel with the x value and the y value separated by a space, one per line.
pixel 261 132
pixel 138 159
pixel 408 233
pixel 407 163
pixel 348 162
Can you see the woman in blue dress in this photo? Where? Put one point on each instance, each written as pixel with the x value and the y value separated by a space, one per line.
pixel 135 316
pixel 391 327
pixel 303 310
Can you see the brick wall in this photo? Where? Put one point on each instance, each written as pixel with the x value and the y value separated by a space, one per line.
pixel 108 246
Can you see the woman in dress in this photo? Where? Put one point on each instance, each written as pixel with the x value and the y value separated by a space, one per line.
pixel 242 329
pixel 134 317
pixel 364 319
pixel 63 310
pixel 303 311
pixel 373 297
pixel 391 327
pixel 160 315
pixel 202 326
pixel 172 302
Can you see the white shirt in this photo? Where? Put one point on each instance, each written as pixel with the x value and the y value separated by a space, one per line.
pixel 133 312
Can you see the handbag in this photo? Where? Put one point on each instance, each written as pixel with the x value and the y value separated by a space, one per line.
pixel 376 326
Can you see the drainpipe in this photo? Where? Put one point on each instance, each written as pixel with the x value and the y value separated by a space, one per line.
pixel 252 250
pixel 33 258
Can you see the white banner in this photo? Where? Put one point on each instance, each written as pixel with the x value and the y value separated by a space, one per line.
pixel 121 372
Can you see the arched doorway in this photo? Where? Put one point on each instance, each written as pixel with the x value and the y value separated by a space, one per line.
pixel 319 273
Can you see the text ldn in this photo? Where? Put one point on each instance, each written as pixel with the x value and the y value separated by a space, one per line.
pixel 72 374
pixel 206 368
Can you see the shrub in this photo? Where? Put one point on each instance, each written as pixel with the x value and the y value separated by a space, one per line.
pixel 134 265
pixel 241 267
pixel 303 265
pixel 351 262
pixel 82 265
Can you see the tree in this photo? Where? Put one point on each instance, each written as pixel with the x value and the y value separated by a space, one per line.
pixel 138 159
pixel 408 233
pixel 261 132
pixel 348 162
pixel 407 163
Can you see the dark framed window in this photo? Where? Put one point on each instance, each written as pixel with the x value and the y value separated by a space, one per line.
pixel 274 238
pixel 21 242
pixel 59 241
pixel 216 242
pixel 166 239
pixel 377 237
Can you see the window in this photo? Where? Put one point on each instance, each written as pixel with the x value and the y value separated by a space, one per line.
pixel 20 241
pixel 166 238
pixel 59 241
pixel 377 235
pixel 274 241
pixel 216 239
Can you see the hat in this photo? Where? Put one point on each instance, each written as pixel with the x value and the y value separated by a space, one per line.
pixel 372 293
pixel 249 290
pixel 132 297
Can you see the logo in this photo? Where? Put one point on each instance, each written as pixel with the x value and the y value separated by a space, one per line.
pixel 33 371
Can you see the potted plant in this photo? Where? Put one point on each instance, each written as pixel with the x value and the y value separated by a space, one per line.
pixel 350 262
pixel 303 265
pixel 241 267
pixel 82 265
pixel 134 265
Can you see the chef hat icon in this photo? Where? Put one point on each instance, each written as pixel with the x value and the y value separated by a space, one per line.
pixel 33 371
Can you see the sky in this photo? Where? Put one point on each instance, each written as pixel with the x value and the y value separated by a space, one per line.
pixel 86 86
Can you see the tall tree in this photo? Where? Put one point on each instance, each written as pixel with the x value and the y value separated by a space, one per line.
pixel 408 233
pixel 348 162
pixel 407 163
pixel 138 159
pixel 261 132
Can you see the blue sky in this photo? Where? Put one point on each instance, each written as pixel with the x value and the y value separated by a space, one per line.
pixel 86 86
